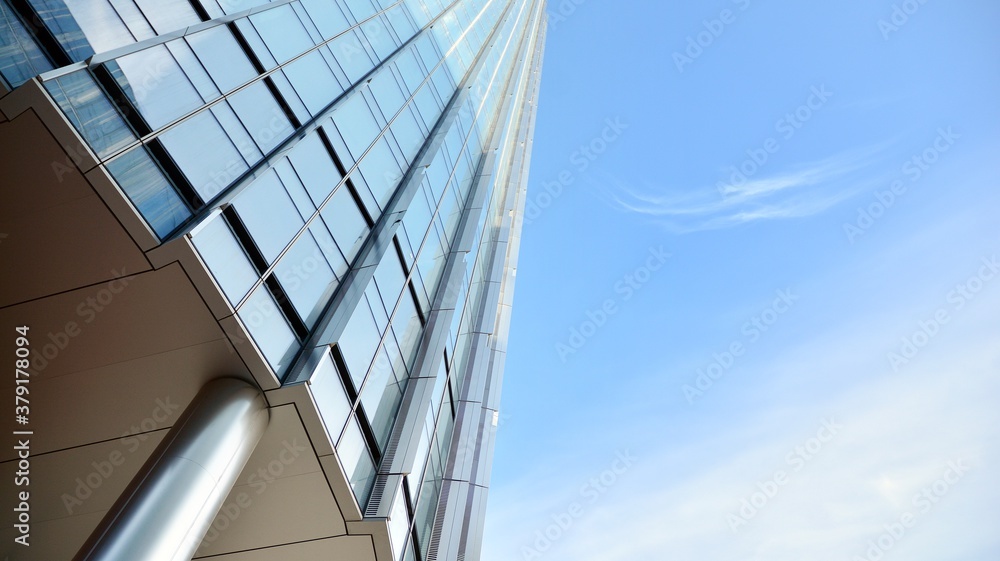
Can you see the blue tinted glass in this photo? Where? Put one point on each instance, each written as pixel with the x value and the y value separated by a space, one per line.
pixel 381 397
pixel 410 69
pixel 377 308
pixel 155 84
pixel 381 172
pixel 306 277
pixel 237 132
pixel 204 153
pixel 357 124
pixel 257 47
pixel 149 190
pixel 408 134
pixel 262 116
pixel 225 258
pixel 407 327
pixel 329 248
pixel 233 6
pixel 313 81
pixel 345 222
pixel 387 93
pixel 294 187
pixel 331 399
pixel 20 57
pixel 402 24
pixel 194 70
pixel 222 56
pixel 269 329
pixel 357 461
pixel 94 117
pixel 83 27
pixel 427 106
pixel 390 279
pixel 315 167
pixel 282 32
pixel 351 55
pixel 290 96
pixel 362 9
pixel 359 342
pixel 168 15
pixel 327 16
pixel 379 37
pixel 269 215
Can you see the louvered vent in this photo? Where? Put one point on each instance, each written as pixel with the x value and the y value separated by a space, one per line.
pixel 375 500
pixel 432 551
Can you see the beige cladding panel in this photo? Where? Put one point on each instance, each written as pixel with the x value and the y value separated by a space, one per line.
pixel 56 234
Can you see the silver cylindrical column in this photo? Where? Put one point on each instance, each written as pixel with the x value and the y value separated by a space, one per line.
pixel 170 504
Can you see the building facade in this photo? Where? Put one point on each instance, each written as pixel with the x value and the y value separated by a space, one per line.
pixel 259 260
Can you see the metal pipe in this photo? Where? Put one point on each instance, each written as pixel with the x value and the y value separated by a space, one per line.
pixel 169 505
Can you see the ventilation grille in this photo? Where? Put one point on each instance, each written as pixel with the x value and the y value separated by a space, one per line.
pixel 375 500
pixel 432 551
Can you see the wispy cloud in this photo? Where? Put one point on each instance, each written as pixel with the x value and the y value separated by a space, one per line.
pixel 804 190
pixel 897 439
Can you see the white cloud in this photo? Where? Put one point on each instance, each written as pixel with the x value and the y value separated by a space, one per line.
pixel 899 434
pixel 806 190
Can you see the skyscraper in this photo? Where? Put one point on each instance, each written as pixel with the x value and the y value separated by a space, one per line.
pixel 259 260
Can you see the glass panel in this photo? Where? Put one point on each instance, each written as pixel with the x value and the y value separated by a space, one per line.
pixel 223 57
pixel 362 9
pixel 357 461
pixel 282 32
pixel 410 69
pixel 357 124
pixel 381 397
pixel 262 116
pixel 153 81
pixel 83 27
pixel 351 55
pixel 345 221
pixel 402 24
pixel 233 6
pixel 327 16
pixel 315 167
pixel 408 134
pixel 168 15
pixel 378 309
pixel 379 37
pixel 20 57
pixel 195 71
pixel 313 81
pixel 94 117
pixel 331 399
pixel 359 342
pixel 294 188
pixel 329 248
pixel 306 278
pixel 204 153
pixel 381 172
pixel 225 258
pixel 390 278
pixel 286 91
pixel 133 18
pixel 149 191
pixel 427 106
pixel 399 524
pixel 237 132
pixel 269 329
pixel 407 327
pixel 258 50
pixel 387 94
pixel 268 214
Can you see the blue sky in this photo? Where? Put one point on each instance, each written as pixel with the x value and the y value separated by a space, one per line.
pixel 804 206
